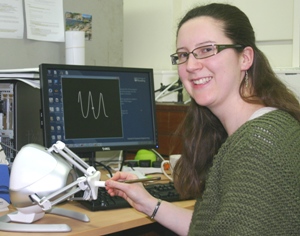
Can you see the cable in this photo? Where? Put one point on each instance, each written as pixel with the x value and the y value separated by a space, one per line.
pixel 123 160
pixel 162 87
pixel 171 88
pixel 130 165
pixel 187 101
pixel 160 156
pixel 105 167
pixel 172 91
pixel 9 147
pixel 170 85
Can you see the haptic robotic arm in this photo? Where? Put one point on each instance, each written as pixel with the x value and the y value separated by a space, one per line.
pixel 41 178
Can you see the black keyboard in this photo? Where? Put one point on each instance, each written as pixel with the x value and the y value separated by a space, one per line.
pixel 164 191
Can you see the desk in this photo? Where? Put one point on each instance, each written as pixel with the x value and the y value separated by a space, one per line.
pixel 101 222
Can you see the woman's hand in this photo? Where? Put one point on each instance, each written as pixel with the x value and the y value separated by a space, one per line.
pixel 138 197
pixel 135 194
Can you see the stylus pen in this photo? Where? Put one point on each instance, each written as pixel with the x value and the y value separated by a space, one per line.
pixel 129 181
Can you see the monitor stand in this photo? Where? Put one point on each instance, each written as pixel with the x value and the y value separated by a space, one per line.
pixel 104 159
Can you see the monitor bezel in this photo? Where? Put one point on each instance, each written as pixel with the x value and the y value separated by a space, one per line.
pixel 45 121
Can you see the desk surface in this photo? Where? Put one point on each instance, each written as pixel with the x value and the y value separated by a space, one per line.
pixel 101 222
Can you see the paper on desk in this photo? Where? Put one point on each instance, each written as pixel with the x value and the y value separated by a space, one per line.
pixel 130 170
pixel 142 170
pixel 148 170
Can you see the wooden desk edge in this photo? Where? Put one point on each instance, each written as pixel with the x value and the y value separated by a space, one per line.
pixel 143 220
pixel 101 222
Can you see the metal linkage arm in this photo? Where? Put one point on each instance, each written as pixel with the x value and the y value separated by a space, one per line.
pixel 88 183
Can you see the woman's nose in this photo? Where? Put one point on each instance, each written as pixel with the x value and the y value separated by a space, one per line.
pixel 193 64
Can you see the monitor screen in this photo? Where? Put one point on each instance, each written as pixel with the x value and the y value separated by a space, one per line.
pixel 95 108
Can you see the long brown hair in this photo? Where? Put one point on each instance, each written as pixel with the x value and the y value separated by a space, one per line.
pixel 202 132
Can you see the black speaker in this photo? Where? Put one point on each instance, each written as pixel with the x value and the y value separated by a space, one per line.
pixel 20 105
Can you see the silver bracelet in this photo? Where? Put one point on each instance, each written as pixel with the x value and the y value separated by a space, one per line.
pixel 155 209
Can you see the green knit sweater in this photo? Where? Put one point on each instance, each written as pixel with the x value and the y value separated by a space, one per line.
pixel 253 187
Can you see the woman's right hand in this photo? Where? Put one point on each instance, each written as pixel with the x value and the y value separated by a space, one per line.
pixel 135 194
pixel 138 197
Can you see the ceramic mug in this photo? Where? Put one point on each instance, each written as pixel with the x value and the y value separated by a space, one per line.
pixel 172 162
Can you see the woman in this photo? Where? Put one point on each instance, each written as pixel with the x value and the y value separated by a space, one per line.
pixel 241 135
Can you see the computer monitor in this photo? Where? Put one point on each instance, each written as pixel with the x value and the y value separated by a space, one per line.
pixel 96 108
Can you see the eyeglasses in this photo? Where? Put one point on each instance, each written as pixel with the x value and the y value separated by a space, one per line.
pixel 201 52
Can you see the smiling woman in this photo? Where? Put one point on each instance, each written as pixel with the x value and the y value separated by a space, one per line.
pixel 240 138
pixel 227 89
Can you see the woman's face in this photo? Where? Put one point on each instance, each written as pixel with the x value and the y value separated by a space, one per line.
pixel 214 81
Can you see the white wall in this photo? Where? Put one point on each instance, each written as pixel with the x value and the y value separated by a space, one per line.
pixel 291 77
pixel 150 25
pixel 105 48
pixel 148 36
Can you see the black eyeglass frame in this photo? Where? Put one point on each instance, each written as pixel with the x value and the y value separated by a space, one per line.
pixel 219 47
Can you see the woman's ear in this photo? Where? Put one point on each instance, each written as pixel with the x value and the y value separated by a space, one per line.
pixel 247 58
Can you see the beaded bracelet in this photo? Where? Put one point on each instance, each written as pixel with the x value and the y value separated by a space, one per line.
pixel 155 209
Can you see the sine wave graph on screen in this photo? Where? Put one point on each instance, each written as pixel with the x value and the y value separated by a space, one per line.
pixel 90 105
